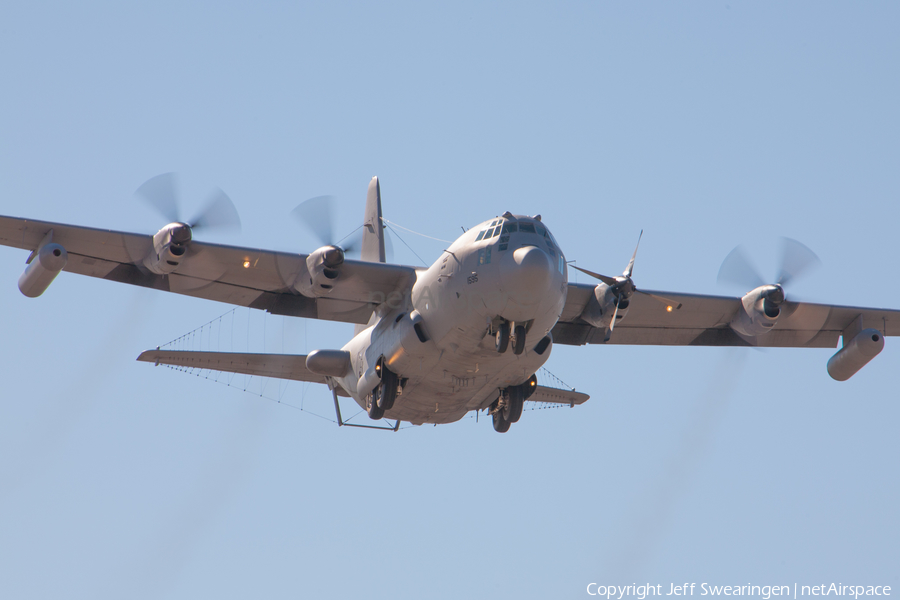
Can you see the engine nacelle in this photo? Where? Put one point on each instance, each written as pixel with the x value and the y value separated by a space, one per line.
pixel 600 307
pixel 863 347
pixel 170 245
pixel 332 363
pixel 43 269
pixel 324 267
pixel 759 312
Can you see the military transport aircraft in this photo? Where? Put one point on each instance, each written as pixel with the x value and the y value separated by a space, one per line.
pixel 466 334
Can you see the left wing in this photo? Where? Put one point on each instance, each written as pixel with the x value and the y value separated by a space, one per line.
pixel 551 395
pixel 704 321
pixel 279 366
pixel 261 279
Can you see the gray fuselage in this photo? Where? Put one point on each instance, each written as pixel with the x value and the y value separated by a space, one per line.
pixel 437 340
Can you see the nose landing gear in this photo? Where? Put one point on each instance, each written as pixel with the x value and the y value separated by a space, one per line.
pixel 502 337
pixel 519 339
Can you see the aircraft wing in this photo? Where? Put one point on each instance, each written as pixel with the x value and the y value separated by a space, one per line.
pixel 218 272
pixel 551 395
pixel 704 321
pixel 279 366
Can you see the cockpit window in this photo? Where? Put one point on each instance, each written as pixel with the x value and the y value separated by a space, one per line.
pixel 480 235
pixel 496 232
pixel 526 227
pixel 510 227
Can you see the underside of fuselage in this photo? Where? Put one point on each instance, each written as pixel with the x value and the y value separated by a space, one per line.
pixel 474 329
pixel 461 382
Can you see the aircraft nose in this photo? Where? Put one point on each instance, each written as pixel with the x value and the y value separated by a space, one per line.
pixel 527 274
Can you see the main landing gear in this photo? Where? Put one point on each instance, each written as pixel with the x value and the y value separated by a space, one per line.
pixel 507 409
pixel 502 337
pixel 382 397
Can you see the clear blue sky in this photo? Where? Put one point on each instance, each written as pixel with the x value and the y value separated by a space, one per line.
pixel 705 124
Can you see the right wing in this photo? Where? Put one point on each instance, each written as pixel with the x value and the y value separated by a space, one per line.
pixel 218 272
pixel 703 320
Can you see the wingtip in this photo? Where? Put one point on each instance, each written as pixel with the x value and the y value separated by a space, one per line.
pixel 148 356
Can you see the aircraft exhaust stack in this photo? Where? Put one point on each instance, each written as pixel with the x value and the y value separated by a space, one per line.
pixel 48 261
pixel 863 347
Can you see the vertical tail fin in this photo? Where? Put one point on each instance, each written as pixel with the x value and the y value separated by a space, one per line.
pixel 373 229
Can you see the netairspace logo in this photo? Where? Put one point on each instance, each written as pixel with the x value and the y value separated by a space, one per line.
pixel 640 592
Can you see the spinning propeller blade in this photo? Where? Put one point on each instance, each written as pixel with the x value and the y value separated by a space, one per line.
pixel 796 259
pixel 219 213
pixel 161 194
pixel 737 269
pixel 317 216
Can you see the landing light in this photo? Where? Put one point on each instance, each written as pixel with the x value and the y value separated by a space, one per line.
pixel 246 263
pixel 668 309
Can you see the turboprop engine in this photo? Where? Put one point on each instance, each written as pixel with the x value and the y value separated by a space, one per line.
pixel 612 296
pixel 324 267
pixel 760 309
pixel 170 244
pixel 601 308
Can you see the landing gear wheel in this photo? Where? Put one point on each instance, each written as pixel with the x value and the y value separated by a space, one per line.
pixel 515 402
pixel 387 390
pixel 375 412
pixel 519 343
pixel 501 425
pixel 501 338
pixel 499 414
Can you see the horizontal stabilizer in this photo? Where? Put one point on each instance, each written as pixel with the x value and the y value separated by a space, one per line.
pixel 278 366
pixel 558 396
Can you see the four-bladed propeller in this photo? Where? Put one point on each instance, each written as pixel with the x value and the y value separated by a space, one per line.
pixel 796 259
pixel 317 216
pixel 623 288
pixel 160 193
